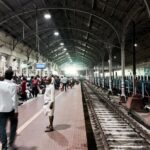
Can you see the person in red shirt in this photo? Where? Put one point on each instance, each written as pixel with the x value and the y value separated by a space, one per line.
pixel 23 88
pixel 35 87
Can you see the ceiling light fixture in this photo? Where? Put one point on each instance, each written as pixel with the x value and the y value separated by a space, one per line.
pixel 135 45
pixel 115 57
pixel 56 33
pixel 61 44
pixel 65 49
pixel 47 16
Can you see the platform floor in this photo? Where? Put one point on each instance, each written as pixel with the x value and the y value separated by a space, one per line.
pixel 69 125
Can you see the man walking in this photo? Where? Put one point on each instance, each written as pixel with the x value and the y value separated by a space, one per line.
pixel 8 110
pixel 64 82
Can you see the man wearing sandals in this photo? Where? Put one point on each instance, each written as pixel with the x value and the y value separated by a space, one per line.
pixel 49 103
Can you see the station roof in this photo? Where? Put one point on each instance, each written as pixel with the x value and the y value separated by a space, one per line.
pixel 86 28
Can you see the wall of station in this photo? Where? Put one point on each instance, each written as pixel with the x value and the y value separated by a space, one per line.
pixel 18 60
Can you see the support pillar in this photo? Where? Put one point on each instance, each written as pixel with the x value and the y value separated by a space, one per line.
pixel 86 74
pixel 147 7
pixel 99 75
pixel 103 74
pixel 2 65
pixel 92 75
pixel 134 61
pixel 110 68
pixel 9 61
pixel 27 70
pixel 1 71
pixel 96 75
pixel 123 96
pixel 19 67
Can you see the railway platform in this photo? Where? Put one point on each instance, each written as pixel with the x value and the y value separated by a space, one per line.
pixel 69 125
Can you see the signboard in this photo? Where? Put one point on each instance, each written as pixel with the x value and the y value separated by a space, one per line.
pixel 40 66
pixel 147 70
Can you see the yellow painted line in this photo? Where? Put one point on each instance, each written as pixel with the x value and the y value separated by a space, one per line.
pixel 33 118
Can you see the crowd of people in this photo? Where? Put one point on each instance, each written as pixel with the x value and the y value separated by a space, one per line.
pixel 29 87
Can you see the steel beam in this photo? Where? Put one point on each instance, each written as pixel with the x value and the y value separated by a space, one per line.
pixel 70 9
pixel 18 17
pixel 76 29
pixel 147 7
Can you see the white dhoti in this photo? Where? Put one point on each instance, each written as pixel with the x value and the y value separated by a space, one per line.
pixel 49 98
pixel 47 110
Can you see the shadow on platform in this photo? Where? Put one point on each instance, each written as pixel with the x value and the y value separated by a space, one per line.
pixel 59 138
pixel 27 148
pixel 61 127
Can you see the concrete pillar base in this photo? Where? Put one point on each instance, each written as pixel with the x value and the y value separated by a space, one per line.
pixel 135 103
pixel 122 99
pixel 110 92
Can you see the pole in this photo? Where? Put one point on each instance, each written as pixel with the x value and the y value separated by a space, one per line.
pixel 110 68
pixel 103 74
pixel 37 38
pixel 134 60
pixel 123 97
pixel 23 30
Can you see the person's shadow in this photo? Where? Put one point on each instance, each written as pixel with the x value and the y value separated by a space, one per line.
pixel 61 126
pixel 27 148
pixel 59 138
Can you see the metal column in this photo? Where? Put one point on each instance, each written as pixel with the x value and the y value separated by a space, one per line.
pixel 134 60
pixel 147 7
pixel 103 74
pixel 110 68
pixel 123 97
pixel 99 75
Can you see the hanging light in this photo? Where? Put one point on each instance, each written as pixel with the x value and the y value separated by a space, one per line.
pixel 61 44
pixel 47 16
pixel 135 45
pixel 56 33
pixel 65 49
pixel 115 57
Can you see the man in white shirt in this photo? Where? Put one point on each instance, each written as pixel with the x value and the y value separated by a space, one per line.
pixel 49 103
pixel 53 79
pixel 64 82
pixel 8 109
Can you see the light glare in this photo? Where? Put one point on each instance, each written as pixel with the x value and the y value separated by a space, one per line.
pixel 61 44
pixel 72 70
pixel 56 33
pixel 135 45
pixel 47 16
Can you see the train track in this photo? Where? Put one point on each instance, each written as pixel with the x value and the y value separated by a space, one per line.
pixel 113 130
